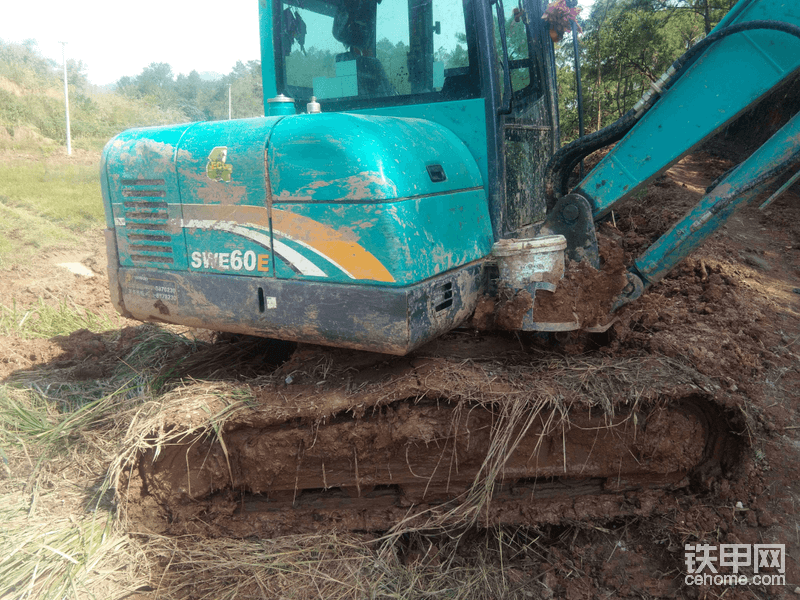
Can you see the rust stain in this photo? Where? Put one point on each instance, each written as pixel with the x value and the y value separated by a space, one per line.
pixel 286 196
pixel 213 191
pixel 222 193
pixel 365 224
pixel 147 153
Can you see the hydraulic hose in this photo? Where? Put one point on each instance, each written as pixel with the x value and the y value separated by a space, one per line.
pixel 564 161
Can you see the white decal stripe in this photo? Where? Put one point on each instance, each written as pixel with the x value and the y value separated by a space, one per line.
pixel 296 241
pixel 306 246
pixel 298 260
pixel 294 258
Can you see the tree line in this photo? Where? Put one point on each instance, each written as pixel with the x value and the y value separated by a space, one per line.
pixel 32 97
pixel 197 98
pixel 626 45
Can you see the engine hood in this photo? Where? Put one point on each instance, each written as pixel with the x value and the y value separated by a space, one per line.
pixel 357 158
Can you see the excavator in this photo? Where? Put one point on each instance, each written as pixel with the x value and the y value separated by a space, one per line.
pixel 405 183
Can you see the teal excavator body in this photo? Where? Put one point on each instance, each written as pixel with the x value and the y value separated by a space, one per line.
pixel 355 241
pixel 363 209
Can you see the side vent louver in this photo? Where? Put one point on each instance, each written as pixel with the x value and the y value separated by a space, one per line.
pixel 443 296
pixel 147 221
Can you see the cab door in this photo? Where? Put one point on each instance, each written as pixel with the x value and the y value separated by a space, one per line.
pixel 530 129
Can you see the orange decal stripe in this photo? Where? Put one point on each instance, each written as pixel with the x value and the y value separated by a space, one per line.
pixel 341 247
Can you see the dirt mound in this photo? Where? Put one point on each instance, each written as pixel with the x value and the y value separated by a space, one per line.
pixel 723 326
pixel 585 295
pixel 728 308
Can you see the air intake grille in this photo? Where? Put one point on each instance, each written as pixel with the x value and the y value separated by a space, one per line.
pixel 443 296
pixel 147 221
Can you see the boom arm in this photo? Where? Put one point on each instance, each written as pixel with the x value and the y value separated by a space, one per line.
pixel 779 154
pixel 722 83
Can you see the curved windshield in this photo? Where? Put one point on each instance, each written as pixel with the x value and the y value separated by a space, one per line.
pixel 361 53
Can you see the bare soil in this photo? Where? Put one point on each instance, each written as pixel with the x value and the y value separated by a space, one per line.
pixel 25 286
pixel 729 315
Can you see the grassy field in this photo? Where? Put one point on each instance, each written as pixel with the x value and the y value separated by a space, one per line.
pixel 46 204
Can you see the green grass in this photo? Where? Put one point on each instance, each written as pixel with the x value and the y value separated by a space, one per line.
pixel 23 235
pixel 92 144
pixel 45 320
pixel 67 194
pixel 45 205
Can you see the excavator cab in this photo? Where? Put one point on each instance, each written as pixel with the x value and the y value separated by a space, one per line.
pixel 448 61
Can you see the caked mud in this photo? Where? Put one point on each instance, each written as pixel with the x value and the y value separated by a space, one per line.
pixel 583 297
pixel 363 442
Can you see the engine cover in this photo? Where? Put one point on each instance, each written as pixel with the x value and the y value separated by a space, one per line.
pixel 280 226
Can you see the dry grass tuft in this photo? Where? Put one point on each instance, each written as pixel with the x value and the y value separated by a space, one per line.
pixel 60 536
pixel 337 566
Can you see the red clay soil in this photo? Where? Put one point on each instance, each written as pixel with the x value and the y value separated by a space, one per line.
pixel 583 296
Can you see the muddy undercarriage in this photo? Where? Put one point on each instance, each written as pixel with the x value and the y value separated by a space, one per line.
pixel 473 429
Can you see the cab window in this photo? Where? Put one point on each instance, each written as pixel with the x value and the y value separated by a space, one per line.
pixel 362 53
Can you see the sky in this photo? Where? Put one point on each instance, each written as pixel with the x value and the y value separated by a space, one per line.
pixel 114 39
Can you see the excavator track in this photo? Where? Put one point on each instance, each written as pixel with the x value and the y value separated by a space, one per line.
pixel 427 441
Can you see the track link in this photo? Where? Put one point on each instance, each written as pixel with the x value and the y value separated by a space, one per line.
pixel 432 462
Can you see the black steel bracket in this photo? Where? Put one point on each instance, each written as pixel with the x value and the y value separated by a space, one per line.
pixel 572 217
